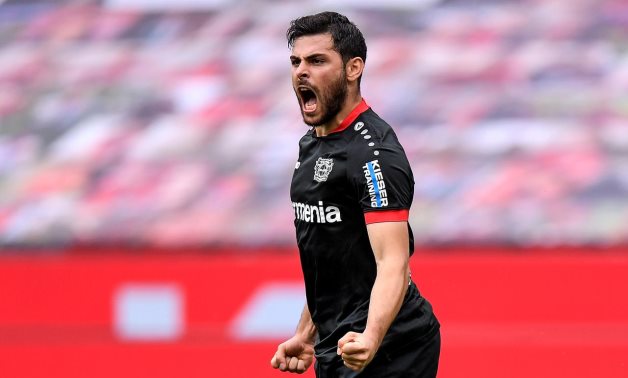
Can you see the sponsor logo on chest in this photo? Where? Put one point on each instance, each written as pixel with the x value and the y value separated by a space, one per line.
pixel 375 184
pixel 316 213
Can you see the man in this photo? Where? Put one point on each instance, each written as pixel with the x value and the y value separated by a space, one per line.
pixel 351 192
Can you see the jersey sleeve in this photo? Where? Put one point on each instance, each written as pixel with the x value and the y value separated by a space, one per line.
pixel 383 181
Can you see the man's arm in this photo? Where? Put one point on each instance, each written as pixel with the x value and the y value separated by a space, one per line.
pixel 306 328
pixel 297 353
pixel 389 241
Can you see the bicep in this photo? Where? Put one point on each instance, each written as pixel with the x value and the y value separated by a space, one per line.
pixel 389 241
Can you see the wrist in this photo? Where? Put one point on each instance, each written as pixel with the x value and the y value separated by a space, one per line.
pixel 373 337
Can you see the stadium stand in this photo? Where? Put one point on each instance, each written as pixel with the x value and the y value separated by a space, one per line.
pixel 179 128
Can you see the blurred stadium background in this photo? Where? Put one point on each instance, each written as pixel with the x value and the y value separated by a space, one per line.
pixel 146 149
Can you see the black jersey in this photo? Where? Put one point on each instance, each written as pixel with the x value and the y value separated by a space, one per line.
pixel 356 175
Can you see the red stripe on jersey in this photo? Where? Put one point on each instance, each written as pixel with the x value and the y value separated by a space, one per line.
pixel 361 108
pixel 386 216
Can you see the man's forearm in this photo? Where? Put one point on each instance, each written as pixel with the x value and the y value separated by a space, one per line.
pixel 387 296
pixel 390 247
pixel 306 328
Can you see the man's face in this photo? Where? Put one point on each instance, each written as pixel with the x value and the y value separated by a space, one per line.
pixel 318 78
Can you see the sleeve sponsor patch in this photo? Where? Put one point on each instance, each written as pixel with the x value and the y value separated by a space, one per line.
pixel 375 184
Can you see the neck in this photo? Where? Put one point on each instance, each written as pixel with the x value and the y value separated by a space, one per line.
pixel 350 103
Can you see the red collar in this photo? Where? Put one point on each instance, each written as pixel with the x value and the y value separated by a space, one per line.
pixel 359 109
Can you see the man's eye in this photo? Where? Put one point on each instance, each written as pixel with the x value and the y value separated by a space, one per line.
pixel 294 62
pixel 319 61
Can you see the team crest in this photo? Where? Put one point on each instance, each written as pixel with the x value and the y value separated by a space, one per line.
pixel 322 169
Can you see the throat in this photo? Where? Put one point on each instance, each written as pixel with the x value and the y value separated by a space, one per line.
pixel 325 129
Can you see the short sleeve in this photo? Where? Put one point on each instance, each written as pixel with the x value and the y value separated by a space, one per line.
pixel 383 181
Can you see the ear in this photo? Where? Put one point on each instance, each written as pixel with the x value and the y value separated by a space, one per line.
pixel 354 69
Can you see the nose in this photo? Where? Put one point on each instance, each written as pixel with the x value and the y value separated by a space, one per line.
pixel 301 72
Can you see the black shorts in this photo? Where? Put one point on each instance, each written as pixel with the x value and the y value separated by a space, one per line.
pixel 418 359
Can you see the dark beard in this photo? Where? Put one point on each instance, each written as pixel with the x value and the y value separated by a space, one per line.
pixel 334 98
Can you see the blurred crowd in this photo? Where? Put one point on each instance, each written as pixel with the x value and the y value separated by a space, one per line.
pixel 178 127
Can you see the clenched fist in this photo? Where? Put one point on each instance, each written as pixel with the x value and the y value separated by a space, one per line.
pixel 294 355
pixel 357 350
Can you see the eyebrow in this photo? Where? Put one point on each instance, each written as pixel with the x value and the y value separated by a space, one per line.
pixel 309 57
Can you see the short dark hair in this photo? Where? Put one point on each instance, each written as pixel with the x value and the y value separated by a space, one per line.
pixel 348 39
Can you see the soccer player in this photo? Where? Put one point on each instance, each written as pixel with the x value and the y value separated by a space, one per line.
pixel 351 193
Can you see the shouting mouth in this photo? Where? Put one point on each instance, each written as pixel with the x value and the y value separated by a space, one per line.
pixel 309 101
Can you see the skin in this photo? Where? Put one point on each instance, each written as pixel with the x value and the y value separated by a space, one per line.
pixel 296 354
pixel 316 65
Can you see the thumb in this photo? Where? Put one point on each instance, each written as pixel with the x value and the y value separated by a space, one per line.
pixel 347 338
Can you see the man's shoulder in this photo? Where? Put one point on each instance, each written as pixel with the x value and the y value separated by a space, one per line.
pixel 370 131
pixel 370 118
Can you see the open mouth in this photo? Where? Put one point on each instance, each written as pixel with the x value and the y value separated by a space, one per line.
pixel 308 99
